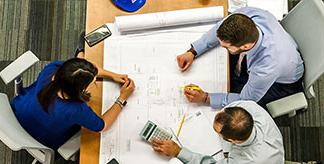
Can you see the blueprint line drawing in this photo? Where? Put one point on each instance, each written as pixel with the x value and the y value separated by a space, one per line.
pixel 150 60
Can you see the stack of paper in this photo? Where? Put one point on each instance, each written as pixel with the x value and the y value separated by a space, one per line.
pixel 277 7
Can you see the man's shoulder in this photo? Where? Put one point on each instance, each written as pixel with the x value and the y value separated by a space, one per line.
pixel 251 11
pixel 260 17
pixel 246 104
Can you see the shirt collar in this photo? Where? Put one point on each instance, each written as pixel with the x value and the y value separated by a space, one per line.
pixel 250 140
pixel 257 44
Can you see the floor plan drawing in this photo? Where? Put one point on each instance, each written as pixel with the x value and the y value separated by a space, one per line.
pixel 150 60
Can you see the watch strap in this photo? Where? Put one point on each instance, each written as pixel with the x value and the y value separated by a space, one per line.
pixel 121 102
pixel 193 51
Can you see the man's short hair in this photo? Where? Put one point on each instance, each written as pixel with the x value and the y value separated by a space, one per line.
pixel 238 29
pixel 237 123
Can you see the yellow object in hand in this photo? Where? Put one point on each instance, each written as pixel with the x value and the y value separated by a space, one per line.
pixel 192 87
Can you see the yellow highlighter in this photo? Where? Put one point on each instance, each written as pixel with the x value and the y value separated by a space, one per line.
pixel 181 123
pixel 192 87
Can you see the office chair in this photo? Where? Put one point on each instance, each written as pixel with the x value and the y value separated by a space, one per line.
pixel 11 132
pixel 304 23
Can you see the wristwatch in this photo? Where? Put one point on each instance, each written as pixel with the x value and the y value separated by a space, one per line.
pixel 193 51
pixel 121 102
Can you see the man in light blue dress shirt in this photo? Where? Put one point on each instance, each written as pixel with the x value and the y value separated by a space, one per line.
pixel 265 64
pixel 250 136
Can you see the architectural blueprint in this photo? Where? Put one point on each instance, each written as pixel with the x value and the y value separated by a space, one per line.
pixel 149 58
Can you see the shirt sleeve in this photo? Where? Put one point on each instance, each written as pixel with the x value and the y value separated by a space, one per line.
pixel 207 41
pixel 188 157
pixel 260 80
pixel 88 119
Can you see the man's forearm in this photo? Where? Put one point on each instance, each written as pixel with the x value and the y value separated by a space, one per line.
pixel 207 41
pixel 188 157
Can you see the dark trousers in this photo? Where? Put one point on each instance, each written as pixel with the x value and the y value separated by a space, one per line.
pixel 275 92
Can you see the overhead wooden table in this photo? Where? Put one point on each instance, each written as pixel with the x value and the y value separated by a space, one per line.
pixel 103 11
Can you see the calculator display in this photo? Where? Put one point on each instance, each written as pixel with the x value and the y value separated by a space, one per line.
pixel 148 128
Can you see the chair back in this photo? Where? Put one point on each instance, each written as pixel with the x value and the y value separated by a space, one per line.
pixel 16 138
pixel 305 24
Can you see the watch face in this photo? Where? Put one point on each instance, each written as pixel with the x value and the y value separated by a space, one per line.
pixel 123 102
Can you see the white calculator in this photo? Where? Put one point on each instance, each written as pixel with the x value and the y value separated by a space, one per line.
pixel 152 131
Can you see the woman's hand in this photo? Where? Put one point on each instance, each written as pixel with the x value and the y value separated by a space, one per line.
pixel 127 89
pixel 119 78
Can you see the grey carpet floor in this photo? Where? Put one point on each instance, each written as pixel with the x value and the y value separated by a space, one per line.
pixel 50 28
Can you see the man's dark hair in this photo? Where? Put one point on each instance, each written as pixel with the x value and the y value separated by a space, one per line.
pixel 237 123
pixel 72 78
pixel 238 29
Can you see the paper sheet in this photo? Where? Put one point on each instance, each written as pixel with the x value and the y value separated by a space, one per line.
pixel 277 7
pixel 236 4
pixel 169 18
pixel 151 61
pixel 149 58
pixel 197 134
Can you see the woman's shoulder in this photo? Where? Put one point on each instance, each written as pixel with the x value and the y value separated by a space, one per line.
pixel 53 66
pixel 49 70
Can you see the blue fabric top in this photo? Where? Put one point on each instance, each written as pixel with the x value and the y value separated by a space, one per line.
pixel 274 58
pixel 63 119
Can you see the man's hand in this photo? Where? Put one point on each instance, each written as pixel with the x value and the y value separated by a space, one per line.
pixel 166 147
pixel 185 60
pixel 195 96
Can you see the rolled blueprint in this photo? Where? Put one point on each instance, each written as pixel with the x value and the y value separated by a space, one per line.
pixel 169 18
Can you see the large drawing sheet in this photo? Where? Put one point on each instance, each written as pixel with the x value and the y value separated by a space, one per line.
pixel 150 60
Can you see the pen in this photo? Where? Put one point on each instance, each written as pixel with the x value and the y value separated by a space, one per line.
pixel 192 87
pixel 181 123
pixel 176 138
pixel 217 152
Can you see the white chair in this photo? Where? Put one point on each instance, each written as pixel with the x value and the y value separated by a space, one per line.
pixel 304 23
pixel 11 132
pixel 16 138
pixel 14 70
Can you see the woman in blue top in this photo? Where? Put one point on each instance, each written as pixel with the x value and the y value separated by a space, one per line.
pixel 54 107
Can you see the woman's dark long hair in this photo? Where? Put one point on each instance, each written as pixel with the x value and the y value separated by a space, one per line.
pixel 72 78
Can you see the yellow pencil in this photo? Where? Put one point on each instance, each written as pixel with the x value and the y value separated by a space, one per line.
pixel 181 123
pixel 192 87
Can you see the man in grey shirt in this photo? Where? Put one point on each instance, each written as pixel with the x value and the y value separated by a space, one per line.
pixel 249 135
